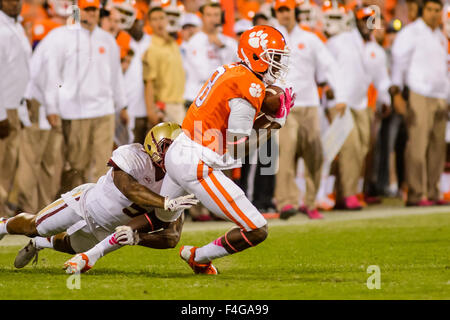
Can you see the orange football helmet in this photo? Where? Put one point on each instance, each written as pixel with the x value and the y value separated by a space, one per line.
pixel 264 50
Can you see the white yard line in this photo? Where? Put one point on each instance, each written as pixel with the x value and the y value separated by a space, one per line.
pixel 329 217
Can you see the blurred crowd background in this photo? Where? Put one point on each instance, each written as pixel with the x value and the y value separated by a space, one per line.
pixel 69 94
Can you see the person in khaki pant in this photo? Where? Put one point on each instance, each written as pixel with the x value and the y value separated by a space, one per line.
pixel 300 137
pixel 352 155
pixel 15 52
pixel 360 64
pixel 426 121
pixel 9 148
pixel 93 137
pixel 85 63
pixel 422 67
pixel 39 166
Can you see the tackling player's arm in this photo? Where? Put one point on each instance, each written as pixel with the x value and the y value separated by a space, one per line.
pixel 148 231
pixel 157 234
pixel 135 191
pixel 142 196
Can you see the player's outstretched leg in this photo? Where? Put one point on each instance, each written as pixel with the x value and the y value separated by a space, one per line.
pixel 83 262
pixel 53 219
pixel 235 240
pixel 167 237
pixel 23 223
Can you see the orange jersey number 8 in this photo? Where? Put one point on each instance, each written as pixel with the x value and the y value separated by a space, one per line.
pixel 204 93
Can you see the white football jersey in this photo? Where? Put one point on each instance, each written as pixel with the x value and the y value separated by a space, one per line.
pixel 105 203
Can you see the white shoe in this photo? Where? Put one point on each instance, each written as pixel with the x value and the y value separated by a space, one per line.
pixel 26 254
pixel 77 264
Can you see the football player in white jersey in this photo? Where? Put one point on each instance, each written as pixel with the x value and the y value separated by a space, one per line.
pixel 91 212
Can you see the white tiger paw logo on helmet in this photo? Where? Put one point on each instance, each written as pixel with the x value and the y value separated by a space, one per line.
pixel 258 39
pixel 255 90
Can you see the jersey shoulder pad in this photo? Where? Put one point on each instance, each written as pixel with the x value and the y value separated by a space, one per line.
pixel 250 87
pixel 130 158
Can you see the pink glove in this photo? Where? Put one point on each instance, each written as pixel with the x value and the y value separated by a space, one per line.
pixel 287 100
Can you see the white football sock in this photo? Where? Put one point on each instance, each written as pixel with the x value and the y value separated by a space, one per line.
pixel 107 245
pixel 3 230
pixel 41 242
pixel 210 252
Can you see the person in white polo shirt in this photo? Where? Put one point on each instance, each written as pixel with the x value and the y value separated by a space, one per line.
pixel 190 24
pixel 359 66
pixel 420 63
pixel 134 85
pixel 40 160
pixel 208 49
pixel 15 52
pixel 84 88
pixel 301 134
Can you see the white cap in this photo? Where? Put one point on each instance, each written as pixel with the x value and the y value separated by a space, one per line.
pixel 190 18
pixel 242 25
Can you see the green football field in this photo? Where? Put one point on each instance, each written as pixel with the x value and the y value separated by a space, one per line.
pixel 300 259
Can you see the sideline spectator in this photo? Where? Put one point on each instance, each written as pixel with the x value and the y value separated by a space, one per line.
pixel 420 62
pixel 208 49
pixel 15 53
pixel 300 137
pixel 163 73
pixel 134 83
pixel 358 68
pixel 40 151
pixel 190 24
pixel 84 88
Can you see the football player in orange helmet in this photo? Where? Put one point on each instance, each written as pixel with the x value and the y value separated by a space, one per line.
pixel 216 129
pixel 263 49
pixel 333 18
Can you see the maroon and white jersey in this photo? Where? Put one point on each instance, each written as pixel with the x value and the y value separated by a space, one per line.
pixel 105 203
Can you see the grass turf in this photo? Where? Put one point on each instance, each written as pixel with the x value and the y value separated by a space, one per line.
pixel 323 260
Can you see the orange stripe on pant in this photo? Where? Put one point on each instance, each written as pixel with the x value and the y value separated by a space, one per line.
pixel 231 201
pixel 202 181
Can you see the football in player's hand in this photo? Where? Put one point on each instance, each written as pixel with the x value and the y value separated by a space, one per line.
pixel 271 102
pixel 261 122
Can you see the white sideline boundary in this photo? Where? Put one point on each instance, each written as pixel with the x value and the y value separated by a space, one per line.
pixel 298 220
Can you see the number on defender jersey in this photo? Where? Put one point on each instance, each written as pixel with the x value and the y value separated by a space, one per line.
pixel 134 210
pixel 204 93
